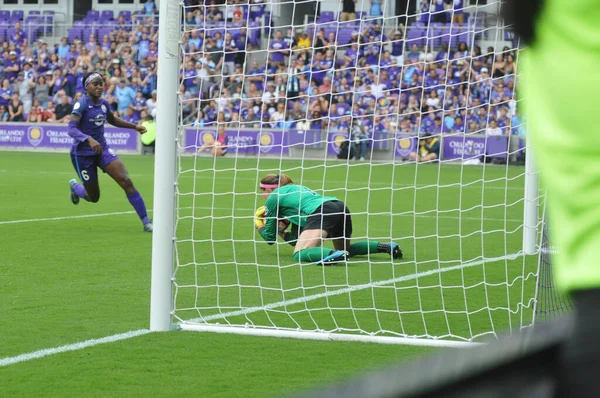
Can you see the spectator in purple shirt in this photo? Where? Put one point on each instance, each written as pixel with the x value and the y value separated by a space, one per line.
pixel 256 75
pixel 414 54
pixel 211 112
pixel 18 39
pixel 139 104
pixel 190 80
pixel 6 92
pixel 351 56
pixel 445 53
pixel 427 122
pixel 437 125
pixel 459 125
pixel 17 36
pixel 230 50
pixel 496 95
pixel 425 11
pixel 72 54
pixel 11 67
pixel 279 50
pixel 153 52
pixel 130 116
pixel 372 51
pixel 377 32
pixel 438 11
pixel 502 117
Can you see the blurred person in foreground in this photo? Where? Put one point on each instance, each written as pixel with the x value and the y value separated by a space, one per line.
pixel 570 172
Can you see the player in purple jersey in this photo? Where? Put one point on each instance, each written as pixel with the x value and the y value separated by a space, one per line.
pixel 91 151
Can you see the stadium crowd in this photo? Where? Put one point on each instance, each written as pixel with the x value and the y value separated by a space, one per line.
pixel 378 80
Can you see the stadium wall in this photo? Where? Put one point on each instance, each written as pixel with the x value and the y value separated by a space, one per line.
pixel 50 137
pixel 53 137
pixel 383 146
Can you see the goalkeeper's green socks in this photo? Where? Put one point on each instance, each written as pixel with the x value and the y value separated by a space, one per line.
pixel 364 247
pixel 312 254
pixel 315 254
pixel 370 247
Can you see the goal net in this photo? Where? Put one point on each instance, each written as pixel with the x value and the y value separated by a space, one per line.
pixel 351 99
pixel 550 302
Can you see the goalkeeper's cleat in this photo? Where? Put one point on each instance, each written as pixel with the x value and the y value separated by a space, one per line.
pixel 73 195
pixel 334 258
pixel 390 248
pixel 148 227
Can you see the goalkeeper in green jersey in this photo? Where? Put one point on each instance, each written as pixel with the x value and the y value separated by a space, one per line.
pixel 315 217
pixel 560 87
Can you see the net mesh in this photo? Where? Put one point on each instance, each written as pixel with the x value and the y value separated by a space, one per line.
pixel 551 303
pixel 346 107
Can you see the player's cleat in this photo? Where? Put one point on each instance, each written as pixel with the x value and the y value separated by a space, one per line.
pixel 148 227
pixel 74 196
pixel 390 248
pixel 335 257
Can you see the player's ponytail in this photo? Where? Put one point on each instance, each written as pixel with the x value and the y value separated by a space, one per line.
pixel 284 179
pixel 276 180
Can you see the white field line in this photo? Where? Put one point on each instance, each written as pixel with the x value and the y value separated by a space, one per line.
pixel 354 288
pixel 123 336
pixel 475 185
pixel 71 347
pixel 119 213
pixel 28 220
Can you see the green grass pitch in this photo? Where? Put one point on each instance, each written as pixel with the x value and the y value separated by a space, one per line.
pixel 77 277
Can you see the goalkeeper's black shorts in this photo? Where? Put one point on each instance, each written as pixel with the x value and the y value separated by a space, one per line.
pixel 333 217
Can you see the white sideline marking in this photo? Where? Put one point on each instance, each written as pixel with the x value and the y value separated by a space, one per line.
pixel 134 333
pixel 71 347
pixel 66 217
pixel 119 213
pixel 354 288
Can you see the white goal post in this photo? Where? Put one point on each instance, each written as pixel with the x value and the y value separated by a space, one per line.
pixel 165 166
pixel 468 222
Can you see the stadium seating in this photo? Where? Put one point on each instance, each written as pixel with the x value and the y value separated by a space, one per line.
pixel 428 37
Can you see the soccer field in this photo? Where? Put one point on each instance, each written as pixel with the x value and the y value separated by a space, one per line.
pixel 76 273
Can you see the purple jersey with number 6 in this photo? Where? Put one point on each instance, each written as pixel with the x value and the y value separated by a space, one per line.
pixel 93 117
pixel 85 160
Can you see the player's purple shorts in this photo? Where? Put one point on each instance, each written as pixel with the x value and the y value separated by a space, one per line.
pixel 87 165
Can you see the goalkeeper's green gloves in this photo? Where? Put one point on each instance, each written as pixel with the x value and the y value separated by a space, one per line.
pixel 259 217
